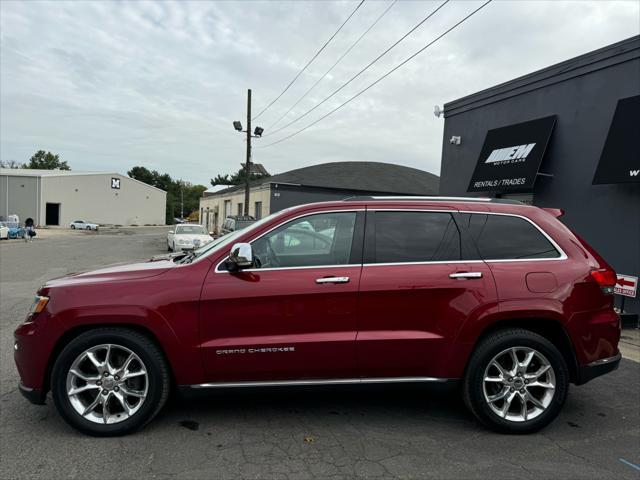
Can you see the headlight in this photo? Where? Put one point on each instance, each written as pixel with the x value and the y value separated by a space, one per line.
pixel 39 302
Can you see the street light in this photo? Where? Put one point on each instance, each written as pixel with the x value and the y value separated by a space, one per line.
pixel 247 166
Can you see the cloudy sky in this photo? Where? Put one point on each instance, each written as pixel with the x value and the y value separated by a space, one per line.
pixel 110 85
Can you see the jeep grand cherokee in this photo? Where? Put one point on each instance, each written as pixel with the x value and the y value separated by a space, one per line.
pixel 498 296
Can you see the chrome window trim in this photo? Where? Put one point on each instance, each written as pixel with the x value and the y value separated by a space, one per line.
pixel 434 199
pixel 434 262
pixel 289 268
pixel 410 210
pixel 345 210
pixel 329 381
pixel 563 255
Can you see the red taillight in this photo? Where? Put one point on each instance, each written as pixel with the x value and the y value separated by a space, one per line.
pixel 606 278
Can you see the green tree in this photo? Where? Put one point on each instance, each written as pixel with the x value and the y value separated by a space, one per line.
pixel 237 178
pixel 46 161
pixel 177 191
pixel 10 164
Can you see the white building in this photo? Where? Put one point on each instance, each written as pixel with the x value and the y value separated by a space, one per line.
pixel 58 197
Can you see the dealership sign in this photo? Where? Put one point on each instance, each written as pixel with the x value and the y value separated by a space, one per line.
pixel 620 159
pixel 511 156
pixel 626 285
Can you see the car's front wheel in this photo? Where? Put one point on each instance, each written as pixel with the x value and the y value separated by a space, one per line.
pixel 73 227
pixel 110 381
pixel 516 381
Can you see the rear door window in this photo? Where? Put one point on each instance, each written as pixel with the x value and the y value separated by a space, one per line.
pixel 504 237
pixel 404 237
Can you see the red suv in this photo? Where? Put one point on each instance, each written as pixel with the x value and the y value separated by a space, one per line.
pixel 497 295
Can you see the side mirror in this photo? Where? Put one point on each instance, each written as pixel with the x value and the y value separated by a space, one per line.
pixel 241 256
pixel 171 232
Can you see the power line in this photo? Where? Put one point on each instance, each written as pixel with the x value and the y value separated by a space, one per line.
pixel 361 71
pixel 382 77
pixel 309 62
pixel 334 65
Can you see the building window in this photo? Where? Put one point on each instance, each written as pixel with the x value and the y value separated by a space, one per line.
pixel 258 210
pixel 227 208
pixel 239 208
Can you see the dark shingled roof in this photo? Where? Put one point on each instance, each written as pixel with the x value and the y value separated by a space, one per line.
pixel 357 176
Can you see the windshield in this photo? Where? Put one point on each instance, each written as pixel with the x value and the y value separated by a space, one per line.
pixel 191 229
pixel 230 238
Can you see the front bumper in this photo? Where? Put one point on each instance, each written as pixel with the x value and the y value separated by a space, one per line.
pixel 35 396
pixel 599 367
pixel 34 342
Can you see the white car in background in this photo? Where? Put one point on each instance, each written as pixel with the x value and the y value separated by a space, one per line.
pixel 4 232
pixel 187 236
pixel 82 225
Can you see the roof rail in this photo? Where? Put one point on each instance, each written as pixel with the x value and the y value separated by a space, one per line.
pixel 436 199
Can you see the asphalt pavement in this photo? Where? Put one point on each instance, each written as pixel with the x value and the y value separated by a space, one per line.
pixel 372 432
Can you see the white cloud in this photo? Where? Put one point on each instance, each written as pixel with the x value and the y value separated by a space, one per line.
pixel 110 85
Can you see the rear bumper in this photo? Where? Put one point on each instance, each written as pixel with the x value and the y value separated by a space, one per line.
pixel 35 396
pixel 595 369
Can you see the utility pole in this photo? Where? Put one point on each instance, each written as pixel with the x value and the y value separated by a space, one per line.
pixel 181 200
pixel 247 166
pixel 237 125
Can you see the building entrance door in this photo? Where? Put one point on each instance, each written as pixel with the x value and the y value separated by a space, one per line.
pixel 52 214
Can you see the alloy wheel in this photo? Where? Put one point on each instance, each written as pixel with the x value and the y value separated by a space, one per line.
pixel 107 384
pixel 519 384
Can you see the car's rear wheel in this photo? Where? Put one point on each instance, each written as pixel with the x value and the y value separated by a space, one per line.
pixel 516 381
pixel 110 381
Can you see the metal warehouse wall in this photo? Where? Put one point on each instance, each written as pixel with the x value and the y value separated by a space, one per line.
pixel 607 216
pixel 91 198
pixel 19 196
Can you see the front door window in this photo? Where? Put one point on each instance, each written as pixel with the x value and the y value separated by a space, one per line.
pixel 314 240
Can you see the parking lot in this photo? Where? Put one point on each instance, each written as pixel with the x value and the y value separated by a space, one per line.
pixel 390 432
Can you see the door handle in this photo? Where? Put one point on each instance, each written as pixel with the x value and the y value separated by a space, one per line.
pixel 466 275
pixel 332 280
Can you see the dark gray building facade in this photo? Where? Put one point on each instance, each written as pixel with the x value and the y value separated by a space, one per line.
pixel 587 118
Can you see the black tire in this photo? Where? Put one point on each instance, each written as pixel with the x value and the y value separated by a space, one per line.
pixel 73 227
pixel 144 348
pixel 88 228
pixel 486 350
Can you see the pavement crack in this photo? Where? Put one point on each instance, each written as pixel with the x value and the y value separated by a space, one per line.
pixel 564 449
